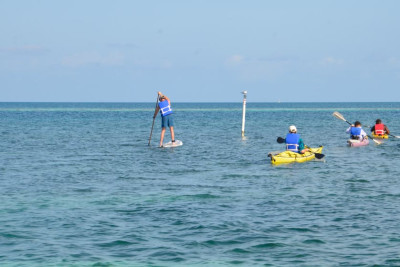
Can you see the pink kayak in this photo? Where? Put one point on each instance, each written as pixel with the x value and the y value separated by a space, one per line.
pixel 352 142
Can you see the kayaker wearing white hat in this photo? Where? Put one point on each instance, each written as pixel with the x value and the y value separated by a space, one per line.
pixel 294 142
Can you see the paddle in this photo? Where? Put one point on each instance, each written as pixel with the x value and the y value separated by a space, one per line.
pixel 281 140
pixel 340 117
pixel 154 118
pixel 395 136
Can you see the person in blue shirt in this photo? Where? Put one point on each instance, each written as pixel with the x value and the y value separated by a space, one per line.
pixel 293 141
pixel 164 106
pixel 356 132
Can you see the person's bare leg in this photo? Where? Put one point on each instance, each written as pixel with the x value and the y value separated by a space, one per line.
pixel 172 133
pixel 162 136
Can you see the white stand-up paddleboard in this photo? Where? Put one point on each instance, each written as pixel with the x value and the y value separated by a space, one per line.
pixel 176 143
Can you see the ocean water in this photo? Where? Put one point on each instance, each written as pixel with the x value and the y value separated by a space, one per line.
pixel 79 186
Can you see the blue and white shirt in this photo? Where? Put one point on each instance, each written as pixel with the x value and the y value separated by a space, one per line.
pixel 361 135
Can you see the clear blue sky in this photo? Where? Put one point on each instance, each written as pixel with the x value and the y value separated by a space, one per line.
pixel 199 51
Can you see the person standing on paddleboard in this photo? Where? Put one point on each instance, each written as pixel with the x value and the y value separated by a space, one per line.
pixel 356 132
pixel 164 106
pixel 379 128
pixel 294 142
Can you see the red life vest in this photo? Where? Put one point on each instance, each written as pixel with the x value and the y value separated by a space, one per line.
pixel 379 129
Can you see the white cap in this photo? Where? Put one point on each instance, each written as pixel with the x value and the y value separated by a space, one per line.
pixel 292 129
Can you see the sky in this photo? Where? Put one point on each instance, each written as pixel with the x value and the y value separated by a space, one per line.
pixel 199 50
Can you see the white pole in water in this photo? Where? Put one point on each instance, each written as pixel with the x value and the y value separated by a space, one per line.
pixel 244 112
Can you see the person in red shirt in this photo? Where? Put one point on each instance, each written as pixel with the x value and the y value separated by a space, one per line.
pixel 379 128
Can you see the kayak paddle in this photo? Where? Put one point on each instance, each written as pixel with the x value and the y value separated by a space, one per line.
pixel 281 140
pixel 340 117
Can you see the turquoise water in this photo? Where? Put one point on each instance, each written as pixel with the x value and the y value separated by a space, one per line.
pixel 80 187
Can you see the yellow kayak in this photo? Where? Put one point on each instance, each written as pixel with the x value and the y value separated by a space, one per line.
pixel 385 136
pixel 289 156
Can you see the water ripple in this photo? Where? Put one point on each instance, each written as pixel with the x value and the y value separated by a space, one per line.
pixel 79 186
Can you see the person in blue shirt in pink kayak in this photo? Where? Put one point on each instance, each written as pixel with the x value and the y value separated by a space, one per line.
pixel 356 132
pixel 164 106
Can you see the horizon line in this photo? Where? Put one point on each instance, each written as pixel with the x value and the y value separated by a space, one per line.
pixel 128 102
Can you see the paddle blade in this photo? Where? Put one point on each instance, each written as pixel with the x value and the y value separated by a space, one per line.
pixel 319 155
pixel 280 140
pixel 339 116
pixel 376 141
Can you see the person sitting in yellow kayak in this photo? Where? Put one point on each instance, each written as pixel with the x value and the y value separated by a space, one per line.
pixel 356 132
pixel 294 142
pixel 379 128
